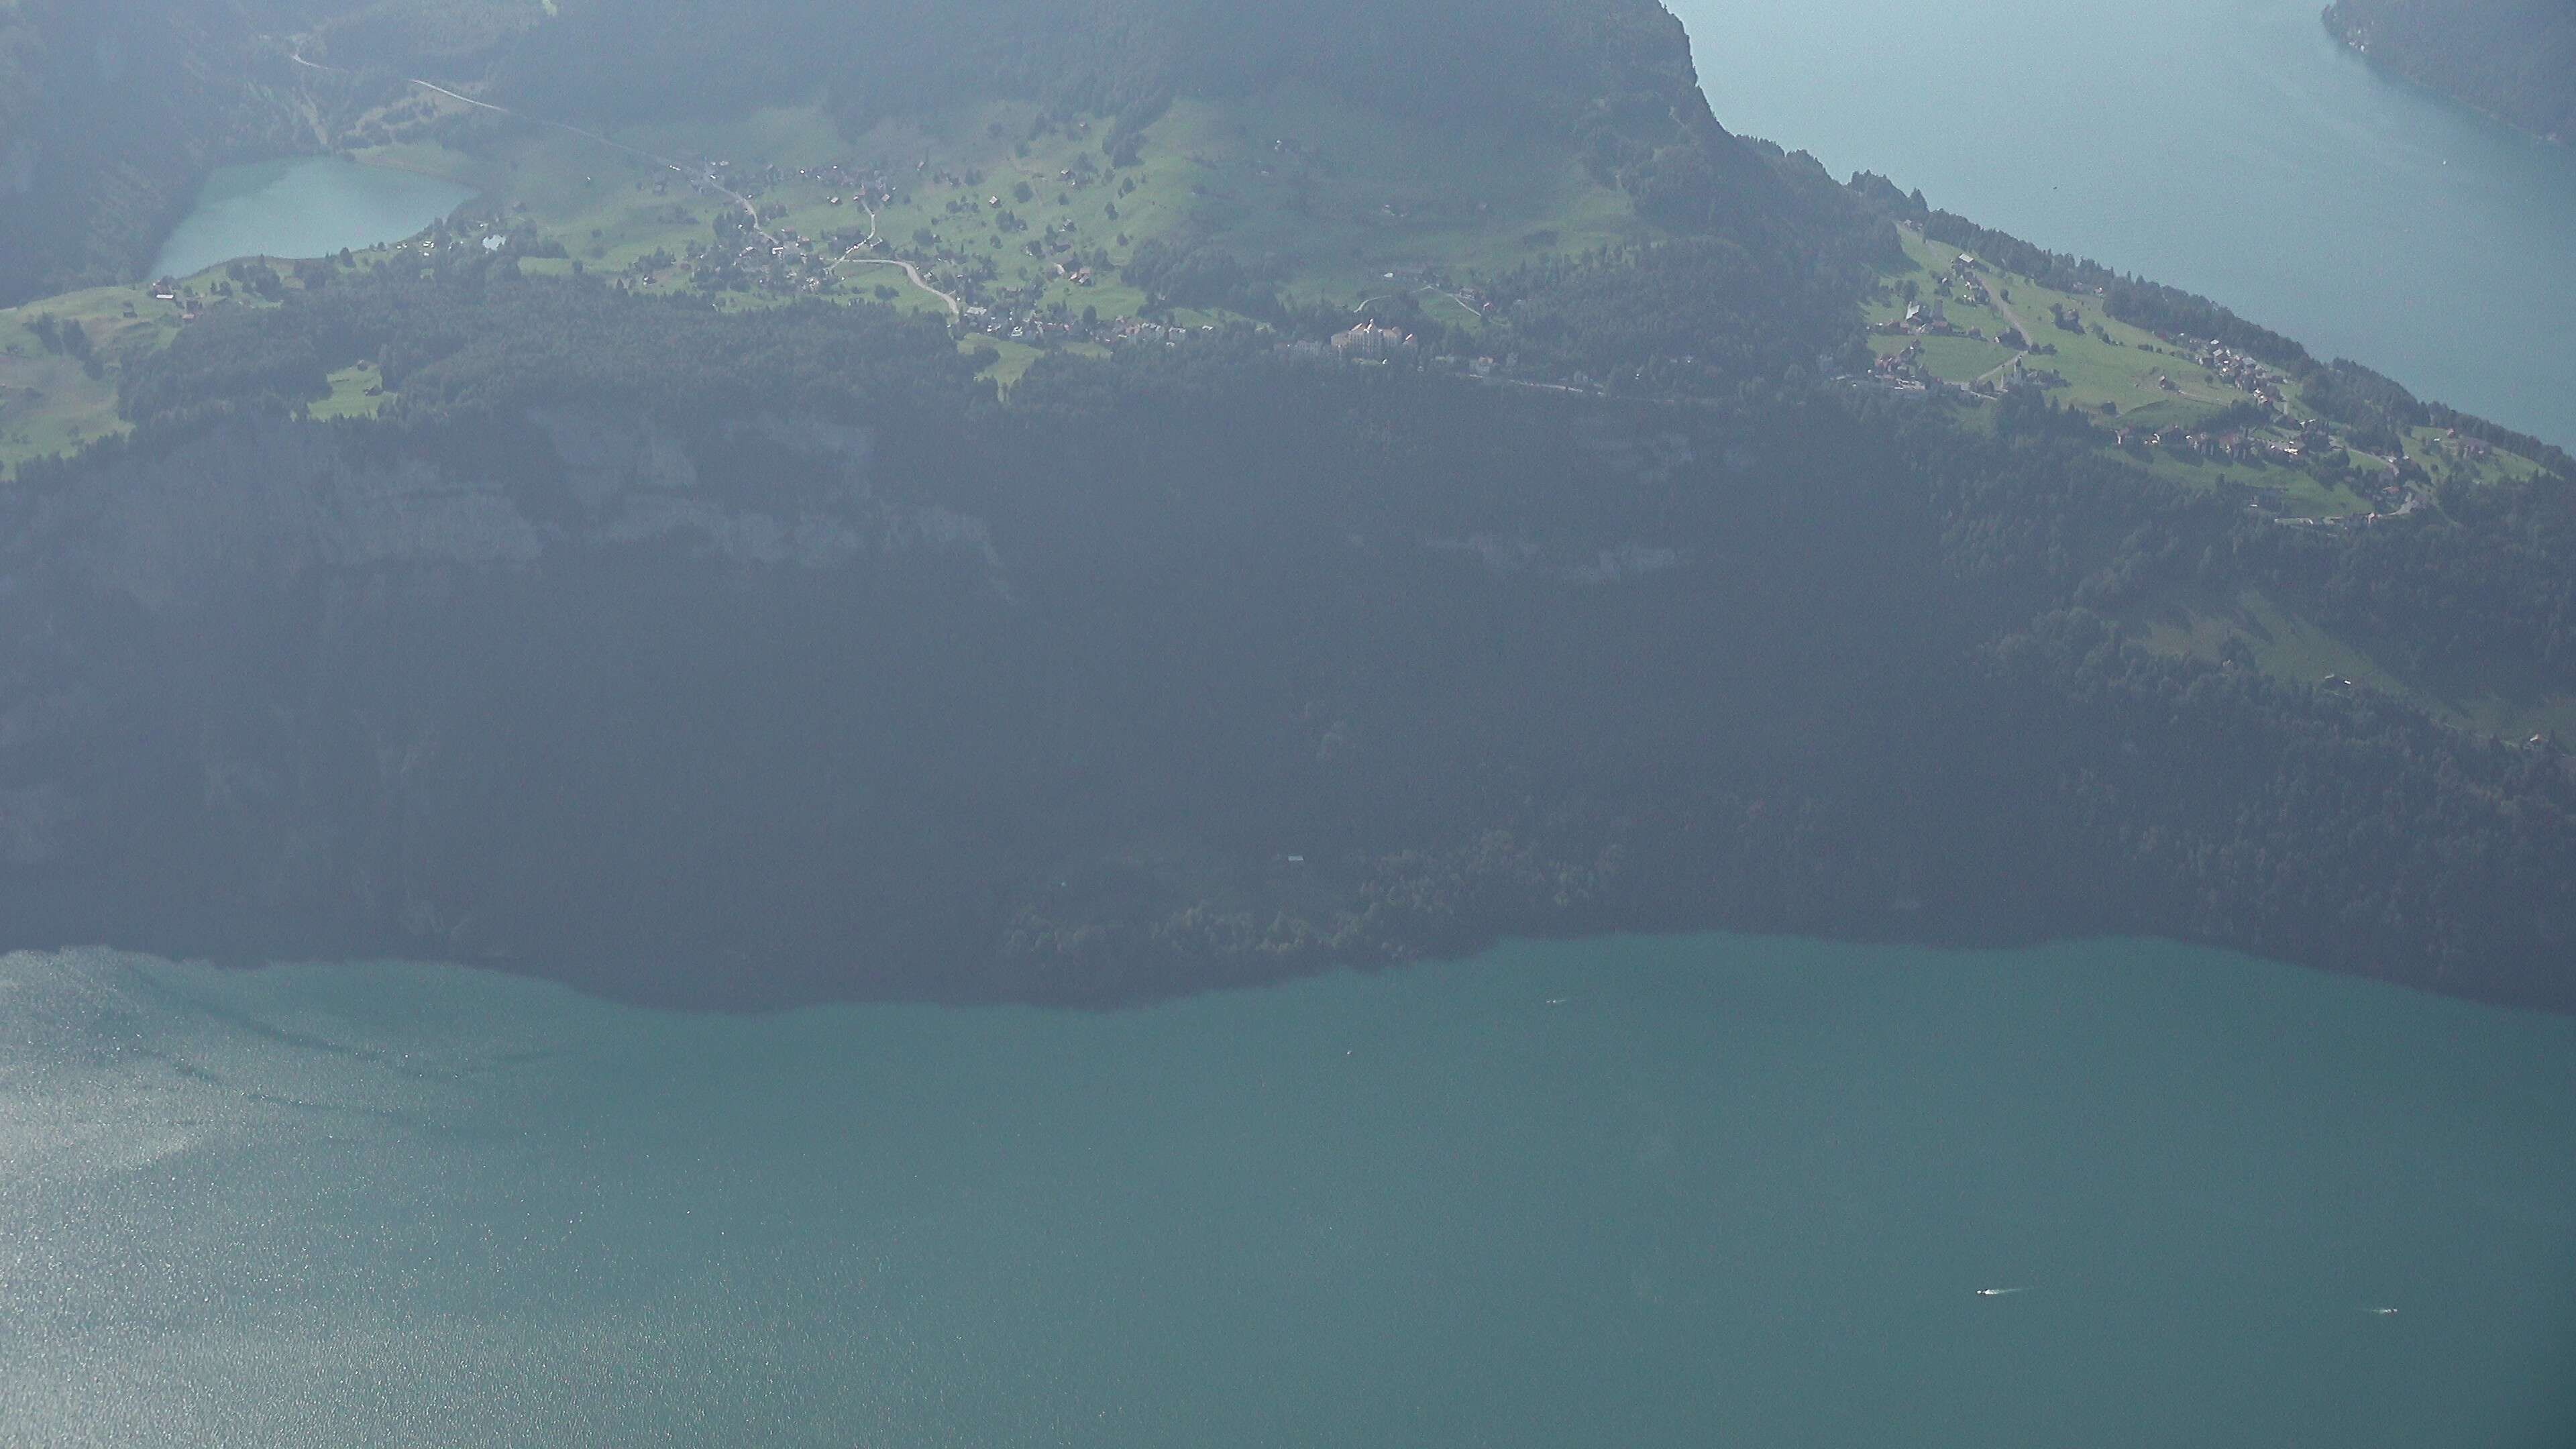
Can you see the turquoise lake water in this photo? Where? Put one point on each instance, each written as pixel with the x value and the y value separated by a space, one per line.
pixel 2232 147
pixel 1670 1192
pixel 307 206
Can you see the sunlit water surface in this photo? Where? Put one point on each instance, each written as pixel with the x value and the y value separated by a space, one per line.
pixel 1670 1192
pixel 2229 146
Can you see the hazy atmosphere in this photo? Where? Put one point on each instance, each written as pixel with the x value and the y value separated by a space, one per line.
pixel 1182 722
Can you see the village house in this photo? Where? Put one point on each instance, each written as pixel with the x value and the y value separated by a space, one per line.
pixel 1369 340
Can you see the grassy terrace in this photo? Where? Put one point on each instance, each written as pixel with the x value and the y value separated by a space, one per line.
pixel 2131 379
pixel 2471 693
pixel 48 402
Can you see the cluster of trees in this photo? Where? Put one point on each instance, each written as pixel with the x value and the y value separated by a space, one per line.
pixel 1685 316
pixel 60 337
pixel 2515 59
pixel 1182 273
pixel 68 338
pixel 2306 822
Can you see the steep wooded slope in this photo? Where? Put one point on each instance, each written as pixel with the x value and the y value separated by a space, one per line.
pixel 2514 59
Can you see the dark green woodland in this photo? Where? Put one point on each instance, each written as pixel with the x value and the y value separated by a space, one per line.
pixel 2513 59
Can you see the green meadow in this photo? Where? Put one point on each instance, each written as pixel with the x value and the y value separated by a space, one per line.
pixel 2480 694
pixel 49 403
pixel 2129 378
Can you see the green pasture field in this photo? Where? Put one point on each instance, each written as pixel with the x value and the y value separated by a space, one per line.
pixel 2131 371
pixel 348 397
pixel 48 403
pixel 2125 371
pixel 2482 695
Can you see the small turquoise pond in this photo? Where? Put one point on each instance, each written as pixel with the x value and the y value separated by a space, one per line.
pixel 305 206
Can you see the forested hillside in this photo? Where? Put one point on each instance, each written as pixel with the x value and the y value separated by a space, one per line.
pixel 764 657
pixel 1515 62
pixel 1613 75
pixel 109 113
pixel 2513 59
pixel 625 583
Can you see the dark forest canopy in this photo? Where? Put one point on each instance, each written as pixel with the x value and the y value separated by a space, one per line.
pixel 1515 62
pixel 2513 59
pixel 1614 76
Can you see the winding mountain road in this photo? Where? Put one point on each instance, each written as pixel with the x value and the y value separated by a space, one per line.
pixel 955 308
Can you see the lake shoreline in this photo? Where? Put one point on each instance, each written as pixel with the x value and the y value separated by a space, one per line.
pixel 679 988
pixel 1711 1190
pixel 2352 34
pixel 302 207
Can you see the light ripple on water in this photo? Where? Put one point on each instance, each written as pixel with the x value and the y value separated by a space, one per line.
pixel 1735 1190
